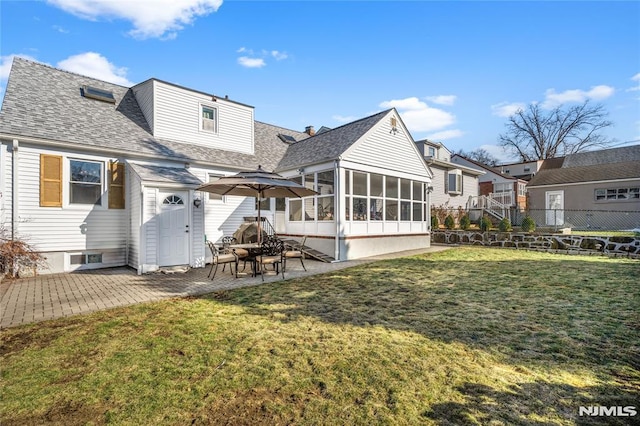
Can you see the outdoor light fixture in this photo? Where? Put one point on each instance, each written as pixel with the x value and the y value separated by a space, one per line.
pixel 429 189
pixel 197 202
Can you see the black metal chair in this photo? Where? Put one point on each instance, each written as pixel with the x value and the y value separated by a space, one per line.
pixel 271 253
pixel 294 251
pixel 219 257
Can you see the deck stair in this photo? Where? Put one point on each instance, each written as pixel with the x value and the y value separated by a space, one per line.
pixel 490 205
pixel 308 251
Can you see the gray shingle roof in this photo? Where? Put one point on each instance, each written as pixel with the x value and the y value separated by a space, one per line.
pixel 151 173
pixel 328 145
pixel 45 103
pixel 608 164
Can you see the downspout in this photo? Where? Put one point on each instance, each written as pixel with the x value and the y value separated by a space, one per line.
pixel 14 190
pixel 336 211
pixel 428 191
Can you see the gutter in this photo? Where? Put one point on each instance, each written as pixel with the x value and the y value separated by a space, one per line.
pixel 129 154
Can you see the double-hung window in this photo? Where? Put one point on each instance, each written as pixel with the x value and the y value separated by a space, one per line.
pixel 454 181
pixel 85 183
pixel 208 119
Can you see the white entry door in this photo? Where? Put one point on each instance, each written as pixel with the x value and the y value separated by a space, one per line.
pixel 555 207
pixel 173 229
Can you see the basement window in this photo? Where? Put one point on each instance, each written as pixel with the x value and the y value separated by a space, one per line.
pixel 84 259
pixel 98 94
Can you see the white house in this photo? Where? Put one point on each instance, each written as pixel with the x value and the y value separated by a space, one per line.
pixel 95 175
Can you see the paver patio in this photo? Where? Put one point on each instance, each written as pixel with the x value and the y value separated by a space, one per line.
pixel 59 295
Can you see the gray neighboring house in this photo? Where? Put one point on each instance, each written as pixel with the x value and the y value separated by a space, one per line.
pixel 604 184
pixel 95 175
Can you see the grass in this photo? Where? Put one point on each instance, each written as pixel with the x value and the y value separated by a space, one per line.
pixel 464 336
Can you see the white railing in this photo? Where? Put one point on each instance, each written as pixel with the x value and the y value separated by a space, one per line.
pixel 489 205
pixel 505 198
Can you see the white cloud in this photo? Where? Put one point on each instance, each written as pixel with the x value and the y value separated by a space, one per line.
pixel 553 99
pixel 418 116
pixel 445 135
pixel 251 62
pixel 253 59
pixel 60 29
pixel 279 55
pixel 635 78
pixel 506 109
pixel 158 18
pixel 442 99
pixel 5 64
pixel 97 66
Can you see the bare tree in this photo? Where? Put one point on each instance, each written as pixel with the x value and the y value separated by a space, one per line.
pixel 534 134
pixel 480 155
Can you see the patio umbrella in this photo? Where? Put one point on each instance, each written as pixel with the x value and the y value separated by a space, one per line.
pixel 257 183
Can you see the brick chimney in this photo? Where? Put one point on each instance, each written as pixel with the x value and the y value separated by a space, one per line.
pixel 309 130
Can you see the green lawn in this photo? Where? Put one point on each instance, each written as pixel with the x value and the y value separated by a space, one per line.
pixel 464 336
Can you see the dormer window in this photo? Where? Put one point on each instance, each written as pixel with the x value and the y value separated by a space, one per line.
pixel 432 152
pixel 208 119
pixel 98 94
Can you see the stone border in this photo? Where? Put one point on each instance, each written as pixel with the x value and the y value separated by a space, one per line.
pixel 557 243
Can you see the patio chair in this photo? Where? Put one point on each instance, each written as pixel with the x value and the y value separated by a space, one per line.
pixel 294 251
pixel 272 250
pixel 240 252
pixel 219 257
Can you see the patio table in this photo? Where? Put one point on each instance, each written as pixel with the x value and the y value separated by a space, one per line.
pixel 254 251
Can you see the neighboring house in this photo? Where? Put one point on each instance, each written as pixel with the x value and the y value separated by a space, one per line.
pixel 504 189
pixel 524 171
pixel 605 180
pixel 452 183
pixel 95 174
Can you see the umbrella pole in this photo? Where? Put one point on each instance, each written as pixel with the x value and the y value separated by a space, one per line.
pixel 259 229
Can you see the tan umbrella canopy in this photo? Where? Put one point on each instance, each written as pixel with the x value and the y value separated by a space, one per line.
pixel 257 183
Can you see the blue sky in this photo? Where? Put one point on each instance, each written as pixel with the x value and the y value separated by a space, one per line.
pixel 454 70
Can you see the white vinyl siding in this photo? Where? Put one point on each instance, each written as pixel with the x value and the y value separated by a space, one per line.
pixel 177 116
pixel 144 95
pixel 381 148
pixel 134 206
pixel 198 252
pixel 223 215
pixel 5 193
pixel 150 227
pixel 71 227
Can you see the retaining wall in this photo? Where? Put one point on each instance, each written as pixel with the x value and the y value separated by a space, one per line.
pixel 573 244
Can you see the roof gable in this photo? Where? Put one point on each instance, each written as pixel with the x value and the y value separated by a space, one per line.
pixel 328 145
pixel 388 145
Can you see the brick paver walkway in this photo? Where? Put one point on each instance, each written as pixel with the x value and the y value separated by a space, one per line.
pixel 58 295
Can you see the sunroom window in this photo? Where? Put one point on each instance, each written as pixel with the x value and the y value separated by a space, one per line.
pixel 376 197
pixel 85 184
